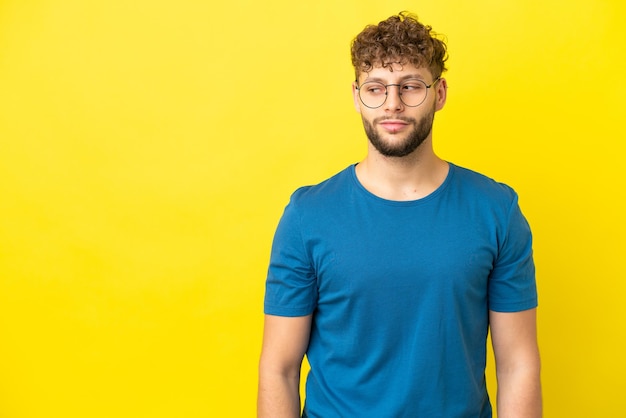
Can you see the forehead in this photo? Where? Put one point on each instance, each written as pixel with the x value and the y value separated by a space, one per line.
pixel 395 71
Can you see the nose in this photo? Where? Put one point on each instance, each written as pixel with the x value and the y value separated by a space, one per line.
pixel 393 102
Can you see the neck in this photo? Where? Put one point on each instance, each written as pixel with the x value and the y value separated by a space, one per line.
pixel 412 177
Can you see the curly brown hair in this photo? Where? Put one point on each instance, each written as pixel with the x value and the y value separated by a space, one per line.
pixel 399 39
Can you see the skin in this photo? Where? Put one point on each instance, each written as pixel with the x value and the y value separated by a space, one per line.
pixel 419 173
pixel 401 178
pixel 514 339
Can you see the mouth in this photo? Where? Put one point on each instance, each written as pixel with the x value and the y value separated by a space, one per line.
pixel 393 125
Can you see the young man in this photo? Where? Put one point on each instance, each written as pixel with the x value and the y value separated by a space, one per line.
pixel 389 274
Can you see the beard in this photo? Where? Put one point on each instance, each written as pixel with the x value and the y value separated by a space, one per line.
pixel 415 137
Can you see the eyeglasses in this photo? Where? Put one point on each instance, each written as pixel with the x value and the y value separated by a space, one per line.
pixel 413 92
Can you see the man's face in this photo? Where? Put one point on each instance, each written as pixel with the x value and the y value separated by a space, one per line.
pixel 395 129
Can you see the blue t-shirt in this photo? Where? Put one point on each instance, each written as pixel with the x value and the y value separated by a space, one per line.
pixel 400 292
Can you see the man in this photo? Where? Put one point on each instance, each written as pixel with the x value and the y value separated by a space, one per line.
pixel 389 274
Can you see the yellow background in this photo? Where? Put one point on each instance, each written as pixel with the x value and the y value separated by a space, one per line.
pixel 148 148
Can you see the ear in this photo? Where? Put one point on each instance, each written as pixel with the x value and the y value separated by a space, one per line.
pixel 441 89
pixel 355 97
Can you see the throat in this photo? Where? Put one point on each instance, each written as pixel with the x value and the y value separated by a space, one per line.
pixel 402 185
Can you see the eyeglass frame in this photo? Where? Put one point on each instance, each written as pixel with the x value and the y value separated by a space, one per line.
pixel 428 86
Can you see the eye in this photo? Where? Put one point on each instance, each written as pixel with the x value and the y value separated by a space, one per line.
pixel 374 88
pixel 412 86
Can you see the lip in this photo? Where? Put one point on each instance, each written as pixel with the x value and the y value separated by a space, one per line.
pixel 393 125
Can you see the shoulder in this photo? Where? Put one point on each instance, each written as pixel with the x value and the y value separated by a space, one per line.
pixel 312 206
pixel 479 186
pixel 328 192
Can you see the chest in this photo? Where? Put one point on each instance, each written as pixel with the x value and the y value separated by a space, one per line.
pixel 414 253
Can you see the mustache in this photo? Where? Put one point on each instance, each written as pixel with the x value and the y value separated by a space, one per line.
pixel 402 118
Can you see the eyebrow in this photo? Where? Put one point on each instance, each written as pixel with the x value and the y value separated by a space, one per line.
pixel 403 78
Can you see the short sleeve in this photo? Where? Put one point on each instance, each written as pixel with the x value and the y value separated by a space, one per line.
pixel 512 285
pixel 291 287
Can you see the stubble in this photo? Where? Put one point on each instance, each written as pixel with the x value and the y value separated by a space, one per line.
pixel 400 148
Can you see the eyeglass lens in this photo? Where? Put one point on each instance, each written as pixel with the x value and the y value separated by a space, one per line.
pixel 373 94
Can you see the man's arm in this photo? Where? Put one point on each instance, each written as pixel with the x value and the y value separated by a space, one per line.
pixel 514 338
pixel 285 341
